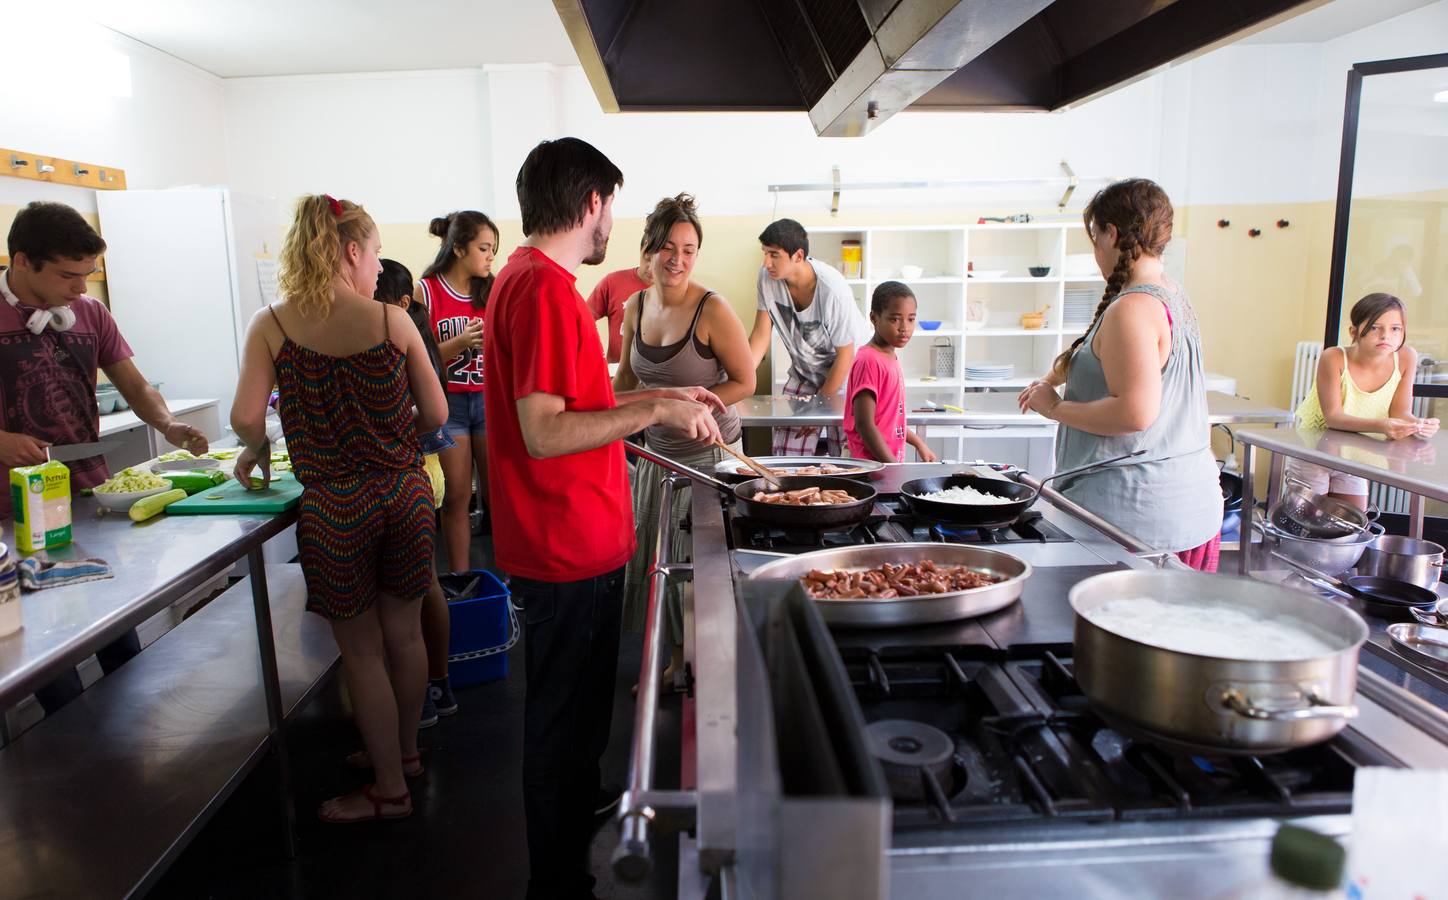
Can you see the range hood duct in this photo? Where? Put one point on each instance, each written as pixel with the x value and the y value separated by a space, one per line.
pixel 851 64
pixel 896 60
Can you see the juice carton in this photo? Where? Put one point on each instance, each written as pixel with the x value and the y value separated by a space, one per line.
pixel 40 496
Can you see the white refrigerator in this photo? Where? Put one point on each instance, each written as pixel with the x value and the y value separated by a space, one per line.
pixel 182 276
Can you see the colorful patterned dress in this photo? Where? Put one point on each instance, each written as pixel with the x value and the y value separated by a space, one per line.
pixel 365 522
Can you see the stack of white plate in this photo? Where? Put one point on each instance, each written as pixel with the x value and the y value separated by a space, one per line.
pixel 1080 306
pixel 989 371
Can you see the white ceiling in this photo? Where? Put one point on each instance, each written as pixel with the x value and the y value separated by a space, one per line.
pixel 1333 20
pixel 301 37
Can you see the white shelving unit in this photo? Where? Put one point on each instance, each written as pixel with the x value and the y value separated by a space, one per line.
pixel 948 289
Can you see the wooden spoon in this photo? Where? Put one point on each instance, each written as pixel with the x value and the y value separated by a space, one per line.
pixel 764 471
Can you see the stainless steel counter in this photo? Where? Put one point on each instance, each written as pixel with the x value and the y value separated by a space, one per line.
pixel 982 410
pixel 1414 465
pixel 154 564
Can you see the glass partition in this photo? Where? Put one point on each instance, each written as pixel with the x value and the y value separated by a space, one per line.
pixel 1391 231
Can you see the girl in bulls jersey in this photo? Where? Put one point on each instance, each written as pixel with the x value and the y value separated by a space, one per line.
pixel 455 289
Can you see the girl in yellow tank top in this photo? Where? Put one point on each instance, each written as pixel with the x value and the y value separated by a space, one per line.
pixel 1364 387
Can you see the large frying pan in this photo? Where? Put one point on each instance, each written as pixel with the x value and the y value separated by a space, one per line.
pixel 903 611
pixel 1385 597
pixel 824 518
pixel 992 515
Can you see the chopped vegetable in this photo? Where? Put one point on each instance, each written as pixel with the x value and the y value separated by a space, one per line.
pixel 175 455
pixel 147 507
pixel 131 481
pixel 195 482
pixel 224 453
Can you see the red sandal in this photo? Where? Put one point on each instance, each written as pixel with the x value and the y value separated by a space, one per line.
pixel 411 765
pixel 403 800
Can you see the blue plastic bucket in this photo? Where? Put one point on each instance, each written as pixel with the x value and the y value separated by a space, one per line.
pixel 483 628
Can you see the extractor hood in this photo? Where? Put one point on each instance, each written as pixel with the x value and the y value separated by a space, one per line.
pixel 851 64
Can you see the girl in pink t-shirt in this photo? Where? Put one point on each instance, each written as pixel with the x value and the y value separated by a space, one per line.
pixel 875 396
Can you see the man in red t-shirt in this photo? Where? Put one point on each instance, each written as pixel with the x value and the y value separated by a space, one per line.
pixel 609 296
pixel 556 465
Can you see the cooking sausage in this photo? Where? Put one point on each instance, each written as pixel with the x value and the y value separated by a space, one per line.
pixel 888 581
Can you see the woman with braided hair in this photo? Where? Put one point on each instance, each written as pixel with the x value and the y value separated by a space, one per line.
pixel 1134 381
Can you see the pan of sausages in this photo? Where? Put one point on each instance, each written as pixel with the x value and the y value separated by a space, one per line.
pixel 823 503
pixel 883 585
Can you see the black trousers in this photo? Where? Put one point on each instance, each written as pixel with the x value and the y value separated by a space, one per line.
pixel 571 650
pixel 67 687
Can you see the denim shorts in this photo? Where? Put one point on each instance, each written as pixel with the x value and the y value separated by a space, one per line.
pixel 465 414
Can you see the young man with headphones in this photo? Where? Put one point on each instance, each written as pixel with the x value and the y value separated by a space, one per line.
pixel 53 339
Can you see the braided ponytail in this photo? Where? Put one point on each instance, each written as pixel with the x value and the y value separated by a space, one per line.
pixel 1142 214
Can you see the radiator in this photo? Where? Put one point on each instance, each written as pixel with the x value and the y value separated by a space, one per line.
pixel 1304 370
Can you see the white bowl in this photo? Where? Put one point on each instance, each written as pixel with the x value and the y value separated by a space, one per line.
pixel 122 502
pixel 911 272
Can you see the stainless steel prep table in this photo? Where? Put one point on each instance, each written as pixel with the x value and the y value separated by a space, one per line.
pixel 1415 465
pixel 153 563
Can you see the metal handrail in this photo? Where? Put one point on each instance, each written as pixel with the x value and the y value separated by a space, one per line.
pixel 632 860
pixel 1136 545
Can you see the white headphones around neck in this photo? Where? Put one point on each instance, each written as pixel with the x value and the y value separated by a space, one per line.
pixel 61 318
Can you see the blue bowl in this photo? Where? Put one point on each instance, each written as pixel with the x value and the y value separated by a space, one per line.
pixel 928 324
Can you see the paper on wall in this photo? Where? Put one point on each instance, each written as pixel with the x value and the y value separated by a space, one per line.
pixel 266 275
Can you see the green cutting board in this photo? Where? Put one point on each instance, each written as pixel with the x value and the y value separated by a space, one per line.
pixel 230 499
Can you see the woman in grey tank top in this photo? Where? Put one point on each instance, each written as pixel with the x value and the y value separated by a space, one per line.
pixel 1135 381
pixel 676 334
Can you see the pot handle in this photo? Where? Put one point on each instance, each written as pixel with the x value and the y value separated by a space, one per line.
pixel 1241 704
pixel 679 468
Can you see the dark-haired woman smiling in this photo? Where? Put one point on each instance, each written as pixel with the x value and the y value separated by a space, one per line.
pixel 1135 381
pixel 677 333
pixel 455 290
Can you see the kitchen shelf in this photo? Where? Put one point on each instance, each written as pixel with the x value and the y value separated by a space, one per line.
pixel 1016 332
pixel 1014 279
pixel 951 293
pixel 1013 382
pixel 937 383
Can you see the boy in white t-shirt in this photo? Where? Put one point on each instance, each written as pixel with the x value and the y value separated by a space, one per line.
pixel 819 324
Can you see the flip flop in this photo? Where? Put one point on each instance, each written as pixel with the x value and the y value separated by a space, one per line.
pixel 404 800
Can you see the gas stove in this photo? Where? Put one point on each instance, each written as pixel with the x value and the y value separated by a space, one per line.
pixel 967 739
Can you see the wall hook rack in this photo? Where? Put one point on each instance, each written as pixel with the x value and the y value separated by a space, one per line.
pixel 1283 223
pixel 16 162
pixel 1223 223
pixel 1253 232
pixel 80 172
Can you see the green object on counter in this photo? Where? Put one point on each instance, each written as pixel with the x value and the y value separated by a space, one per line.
pixel 232 499
pixel 195 482
pixel 1307 859
pixel 146 507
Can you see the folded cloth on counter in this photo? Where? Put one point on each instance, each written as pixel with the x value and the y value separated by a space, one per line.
pixel 38 574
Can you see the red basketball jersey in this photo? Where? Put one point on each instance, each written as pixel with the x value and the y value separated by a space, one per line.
pixel 450 313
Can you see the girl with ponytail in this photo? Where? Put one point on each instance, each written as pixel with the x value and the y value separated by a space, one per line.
pixel 1135 381
pixel 356 388
pixel 455 289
